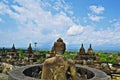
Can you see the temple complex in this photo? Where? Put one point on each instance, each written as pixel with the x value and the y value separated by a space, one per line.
pixel 58 67
pixel 83 55
pixel 29 50
pixel 12 56
pixel 13 51
pixel 87 58
pixel 30 56
pixel 3 53
pixel 117 64
pixel 84 58
pixel 82 50
pixel 90 50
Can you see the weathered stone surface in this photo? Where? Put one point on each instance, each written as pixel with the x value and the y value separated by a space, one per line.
pixel 95 74
pixel 118 60
pixel 3 76
pixel 98 74
pixel 18 74
pixel 90 50
pixel 59 47
pixel 29 49
pixel 58 67
pixel 82 50
pixel 13 49
pixel 6 68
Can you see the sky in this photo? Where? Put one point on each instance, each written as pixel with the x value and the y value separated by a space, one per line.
pixel 95 22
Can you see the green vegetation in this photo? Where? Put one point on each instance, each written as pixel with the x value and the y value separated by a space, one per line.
pixel 20 53
pixel 43 51
pixel 42 54
pixel 70 54
pixel 109 57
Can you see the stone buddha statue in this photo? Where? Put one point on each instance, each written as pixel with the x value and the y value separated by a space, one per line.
pixel 58 67
pixel 59 47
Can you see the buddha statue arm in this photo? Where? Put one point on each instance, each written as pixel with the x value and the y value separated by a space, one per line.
pixel 43 72
pixel 45 69
pixel 73 73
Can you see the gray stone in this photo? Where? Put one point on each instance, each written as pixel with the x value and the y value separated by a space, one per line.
pixel 17 74
pixel 3 76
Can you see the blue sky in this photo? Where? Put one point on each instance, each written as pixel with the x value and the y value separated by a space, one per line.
pixel 76 21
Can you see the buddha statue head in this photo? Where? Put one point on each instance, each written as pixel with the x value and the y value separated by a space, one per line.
pixel 59 46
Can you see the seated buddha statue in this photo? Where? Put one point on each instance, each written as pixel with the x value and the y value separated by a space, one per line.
pixel 58 67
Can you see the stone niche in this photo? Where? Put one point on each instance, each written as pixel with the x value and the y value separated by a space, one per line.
pixel 33 72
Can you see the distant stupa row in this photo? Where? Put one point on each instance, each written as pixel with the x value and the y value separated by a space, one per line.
pixel 13 55
pixel 85 55
pixel 82 50
pixel 13 50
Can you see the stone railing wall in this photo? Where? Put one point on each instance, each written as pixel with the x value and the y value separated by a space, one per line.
pixel 24 73
pixel 91 73
pixel 32 72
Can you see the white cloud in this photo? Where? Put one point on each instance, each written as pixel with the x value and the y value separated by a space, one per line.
pixel 3 8
pixel 75 30
pixel 90 35
pixel 38 24
pixel 35 14
pixel 95 17
pixel 61 5
pixel 35 20
pixel 97 9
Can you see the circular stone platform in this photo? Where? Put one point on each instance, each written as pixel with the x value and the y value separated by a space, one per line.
pixel 33 72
